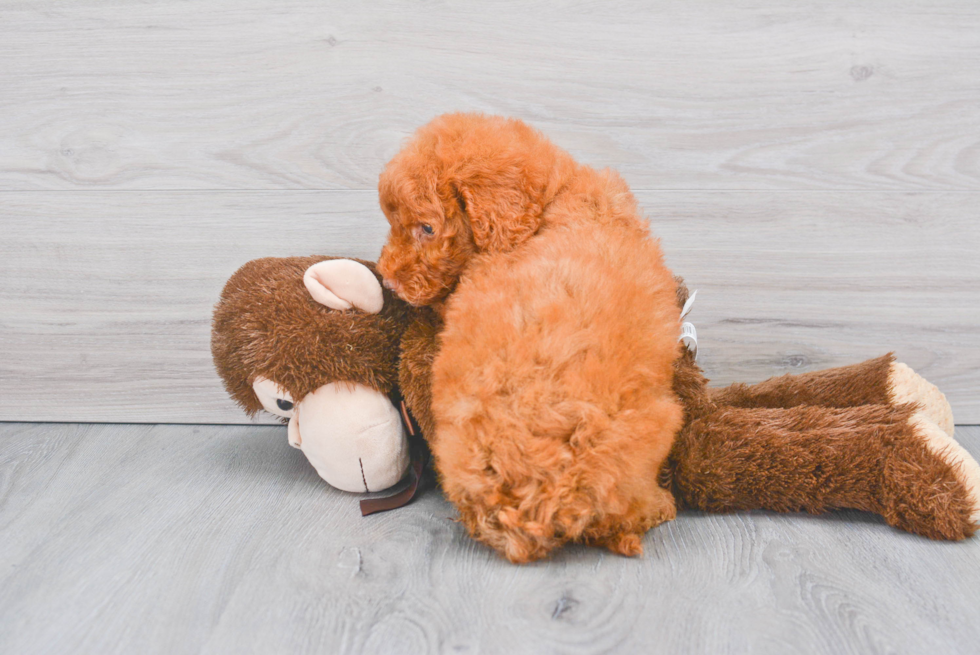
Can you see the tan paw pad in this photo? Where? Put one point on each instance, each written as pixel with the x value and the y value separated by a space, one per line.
pixel 948 449
pixel 907 386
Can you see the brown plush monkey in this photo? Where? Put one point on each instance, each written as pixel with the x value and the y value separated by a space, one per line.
pixel 874 436
pixel 315 341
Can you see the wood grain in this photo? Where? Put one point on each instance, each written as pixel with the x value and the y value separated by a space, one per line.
pixel 221 539
pixel 107 296
pixel 312 95
pixel 107 304
pixel 147 150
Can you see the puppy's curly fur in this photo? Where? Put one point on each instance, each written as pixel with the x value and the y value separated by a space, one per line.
pixel 552 387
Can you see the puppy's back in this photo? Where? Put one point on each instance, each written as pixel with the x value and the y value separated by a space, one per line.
pixel 552 391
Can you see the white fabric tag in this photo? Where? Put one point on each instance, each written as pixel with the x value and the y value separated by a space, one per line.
pixel 689 335
pixel 689 304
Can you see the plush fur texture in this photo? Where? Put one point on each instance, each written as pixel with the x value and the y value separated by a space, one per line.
pixel 866 436
pixel 551 393
pixel 266 324
pixel 419 346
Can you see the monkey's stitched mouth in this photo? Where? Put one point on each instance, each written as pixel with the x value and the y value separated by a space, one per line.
pixel 363 479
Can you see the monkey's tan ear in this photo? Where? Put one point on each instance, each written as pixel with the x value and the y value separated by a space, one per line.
pixel 342 284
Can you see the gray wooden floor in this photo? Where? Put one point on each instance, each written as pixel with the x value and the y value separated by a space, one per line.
pixel 221 539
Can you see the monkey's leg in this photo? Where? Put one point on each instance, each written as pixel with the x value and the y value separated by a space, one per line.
pixel 879 381
pixel 890 460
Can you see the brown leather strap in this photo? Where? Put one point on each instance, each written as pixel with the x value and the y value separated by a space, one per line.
pixel 407 420
pixel 400 499
pixel 420 457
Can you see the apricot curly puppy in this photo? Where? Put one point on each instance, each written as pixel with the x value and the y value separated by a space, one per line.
pixel 551 391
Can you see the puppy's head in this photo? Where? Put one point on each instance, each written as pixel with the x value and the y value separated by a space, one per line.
pixel 465 184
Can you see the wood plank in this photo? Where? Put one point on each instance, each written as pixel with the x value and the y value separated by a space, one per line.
pixel 219 539
pixel 805 281
pixel 107 295
pixel 312 95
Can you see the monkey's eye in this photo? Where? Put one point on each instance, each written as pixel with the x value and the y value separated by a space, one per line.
pixel 284 405
pixel 427 228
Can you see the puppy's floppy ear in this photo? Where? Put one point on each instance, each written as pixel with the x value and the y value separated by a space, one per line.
pixel 503 174
pixel 344 283
pixel 501 211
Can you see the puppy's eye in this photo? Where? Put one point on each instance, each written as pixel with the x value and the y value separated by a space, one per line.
pixel 284 405
pixel 427 228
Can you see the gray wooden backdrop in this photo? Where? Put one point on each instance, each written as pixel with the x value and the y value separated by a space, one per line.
pixel 813 169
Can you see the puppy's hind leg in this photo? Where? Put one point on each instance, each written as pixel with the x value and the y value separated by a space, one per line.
pixel 621 470
pixel 626 538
